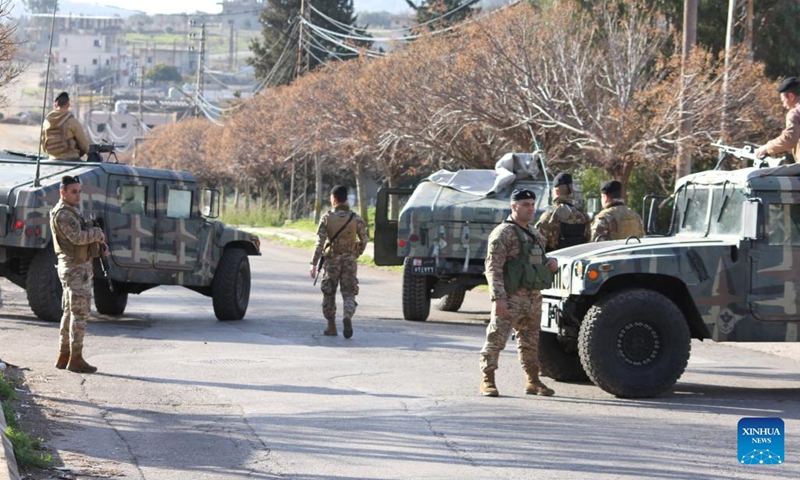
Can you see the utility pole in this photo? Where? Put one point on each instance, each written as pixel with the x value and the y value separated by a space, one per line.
pixel 200 61
pixel 230 52
pixel 300 34
pixel 745 9
pixel 141 100
pixel 684 160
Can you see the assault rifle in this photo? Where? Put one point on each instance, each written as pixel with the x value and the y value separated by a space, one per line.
pixel 747 152
pixel 98 222
pixel 320 263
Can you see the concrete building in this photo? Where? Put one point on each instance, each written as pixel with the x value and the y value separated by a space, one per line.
pixel 243 13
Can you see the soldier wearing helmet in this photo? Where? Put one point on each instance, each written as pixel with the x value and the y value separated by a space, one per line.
pixel 516 269
pixel 616 221
pixel 565 224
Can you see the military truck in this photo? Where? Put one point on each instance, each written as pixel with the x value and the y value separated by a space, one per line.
pixel 624 312
pixel 158 226
pixel 441 234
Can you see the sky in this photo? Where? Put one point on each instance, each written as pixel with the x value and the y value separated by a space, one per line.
pixel 213 6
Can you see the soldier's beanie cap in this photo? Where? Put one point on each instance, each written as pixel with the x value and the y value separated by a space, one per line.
pixel 563 178
pixel 789 84
pixel 68 180
pixel 63 96
pixel 611 186
pixel 522 194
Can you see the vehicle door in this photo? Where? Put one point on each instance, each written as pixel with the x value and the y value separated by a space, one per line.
pixel 386 225
pixel 130 220
pixel 775 262
pixel 178 226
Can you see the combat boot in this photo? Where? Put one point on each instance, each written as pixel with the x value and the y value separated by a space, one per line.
pixel 488 388
pixel 63 357
pixel 348 327
pixel 78 365
pixel 331 330
pixel 534 386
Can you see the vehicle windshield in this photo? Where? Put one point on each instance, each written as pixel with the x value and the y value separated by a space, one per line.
pixel 703 210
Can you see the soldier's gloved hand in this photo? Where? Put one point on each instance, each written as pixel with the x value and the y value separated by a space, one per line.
pixel 313 271
pixel 104 251
pixel 501 307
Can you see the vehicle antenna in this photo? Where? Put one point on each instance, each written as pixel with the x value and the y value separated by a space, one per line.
pixel 36 182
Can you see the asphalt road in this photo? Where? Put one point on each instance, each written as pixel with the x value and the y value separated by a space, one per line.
pixel 180 395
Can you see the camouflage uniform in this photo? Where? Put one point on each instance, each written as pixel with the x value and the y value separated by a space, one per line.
pixel 76 244
pixel 341 265
pixel 564 212
pixel 524 305
pixel 616 222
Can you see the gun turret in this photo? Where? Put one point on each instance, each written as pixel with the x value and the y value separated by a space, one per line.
pixel 747 152
pixel 95 149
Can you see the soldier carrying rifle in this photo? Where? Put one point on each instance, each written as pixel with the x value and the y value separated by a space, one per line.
pixel 341 239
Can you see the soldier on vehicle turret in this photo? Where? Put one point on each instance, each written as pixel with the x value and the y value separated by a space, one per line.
pixel 789 139
pixel 64 137
pixel 565 224
pixel 615 221
pixel 76 243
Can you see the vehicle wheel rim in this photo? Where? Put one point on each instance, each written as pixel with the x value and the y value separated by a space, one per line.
pixel 638 344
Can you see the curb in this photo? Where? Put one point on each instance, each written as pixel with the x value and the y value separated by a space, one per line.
pixel 8 464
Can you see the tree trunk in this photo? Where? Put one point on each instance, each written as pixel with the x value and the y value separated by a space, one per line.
pixel 361 193
pixel 247 196
pixel 318 192
pixel 236 196
pixel 290 213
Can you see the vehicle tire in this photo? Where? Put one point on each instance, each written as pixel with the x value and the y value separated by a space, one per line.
pixel 230 290
pixel 416 295
pixel 555 362
pixel 634 343
pixel 452 301
pixel 106 301
pixel 42 286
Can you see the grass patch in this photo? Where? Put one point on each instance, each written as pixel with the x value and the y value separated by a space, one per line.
pixel 255 217
pixel 27 451
pixel 306 224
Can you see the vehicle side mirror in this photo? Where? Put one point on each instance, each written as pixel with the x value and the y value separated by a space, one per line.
pixel 210 203
pixel 652 206
pixel 750 219
pixel 592 206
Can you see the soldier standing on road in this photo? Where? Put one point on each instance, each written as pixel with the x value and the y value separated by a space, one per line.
pixel 615 221
pixel 63 137
pixel 341 239
pixel 516 271
pixel 75 243
pixel 565 224
pixel 789 139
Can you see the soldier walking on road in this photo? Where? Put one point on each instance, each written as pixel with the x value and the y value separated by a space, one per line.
pixel 615 221
pixel 789 139
pixel 516 269
pixel 75 243
pixel 341 239
pixel 565 224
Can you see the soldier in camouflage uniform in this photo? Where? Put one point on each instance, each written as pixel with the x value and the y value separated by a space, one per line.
pixel 615 221
pixel 75 243
pixel 565 224
pixel 516 269
pixel 341 239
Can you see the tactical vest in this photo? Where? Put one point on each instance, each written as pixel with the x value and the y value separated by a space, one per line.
pixel 346 242
pixel 61 244
pixel 55 138
pixel 628 223
pixel 527 270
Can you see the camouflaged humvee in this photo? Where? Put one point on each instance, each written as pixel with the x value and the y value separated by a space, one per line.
pixel 624 312
pixel 441 235
pixel 157 226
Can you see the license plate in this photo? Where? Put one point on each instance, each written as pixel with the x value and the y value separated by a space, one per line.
pixel 423 266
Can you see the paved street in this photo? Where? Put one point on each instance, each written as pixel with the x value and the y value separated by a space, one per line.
pixel 180 395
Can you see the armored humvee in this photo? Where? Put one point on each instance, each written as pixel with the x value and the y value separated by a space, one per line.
pixel 624 312
pixel 441 235
pixel 157 225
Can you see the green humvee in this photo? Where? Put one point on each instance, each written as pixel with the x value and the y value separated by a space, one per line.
pixel 624 312
pixel 158 228
pixel 441 235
